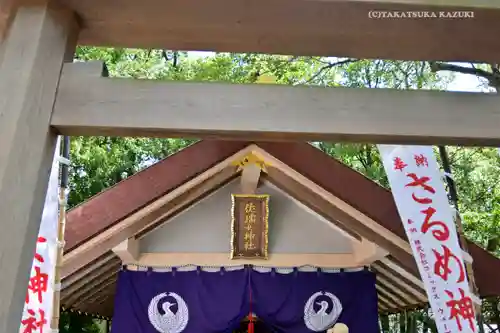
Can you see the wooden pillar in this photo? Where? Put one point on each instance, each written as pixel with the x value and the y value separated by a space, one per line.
pixel 3 27
pixel 7 10
pixel 35 48
pixel 2 44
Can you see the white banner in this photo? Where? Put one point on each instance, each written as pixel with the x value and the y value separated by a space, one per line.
pixel 38 304
pixel 420 196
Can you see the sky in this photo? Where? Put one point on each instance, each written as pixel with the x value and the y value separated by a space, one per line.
pixel 464 82
pixel 461 82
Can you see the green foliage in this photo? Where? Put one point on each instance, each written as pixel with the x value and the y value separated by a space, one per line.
pixel 378 74
pixel 75 323
pixel 101 162
pixel 477 174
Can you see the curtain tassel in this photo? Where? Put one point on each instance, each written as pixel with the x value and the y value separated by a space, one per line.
pixel 250 315
pixel 250 324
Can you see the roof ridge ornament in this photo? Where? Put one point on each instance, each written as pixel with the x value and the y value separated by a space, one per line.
pixel 252 158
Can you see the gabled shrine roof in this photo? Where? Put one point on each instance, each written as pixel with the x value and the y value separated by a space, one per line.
pixel 299 169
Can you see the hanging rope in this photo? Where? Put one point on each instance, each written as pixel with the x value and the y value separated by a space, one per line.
pixel 250 315
pixel 64 160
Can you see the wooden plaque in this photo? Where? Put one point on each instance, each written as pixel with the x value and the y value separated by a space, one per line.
pixel 249 226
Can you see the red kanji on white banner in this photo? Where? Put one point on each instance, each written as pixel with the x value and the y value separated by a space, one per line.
pixel 422 202
pixel 38 302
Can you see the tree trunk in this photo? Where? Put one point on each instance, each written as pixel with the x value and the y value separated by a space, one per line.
pixel 384 323
pixel 402 322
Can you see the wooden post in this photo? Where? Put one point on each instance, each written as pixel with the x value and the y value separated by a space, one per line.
pixel 35 49
pixel 2 47
pixel 6 15
pixel 3 34
pixel 56 301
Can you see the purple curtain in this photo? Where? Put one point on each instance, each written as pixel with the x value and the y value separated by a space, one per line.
pixel 189 302
pixel 216 302
pixel 303 302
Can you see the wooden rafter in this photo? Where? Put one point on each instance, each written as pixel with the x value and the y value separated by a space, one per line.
pixel 98 264
pixel 91 288
pixel 399 288
pixel 85 285
pixel 396 279
pixel 396 300
pixel 399 292
pixel 97 301
pixel 383 305
pixel 388 303
pixel 396 294
pixel 97 289
pixel 402 272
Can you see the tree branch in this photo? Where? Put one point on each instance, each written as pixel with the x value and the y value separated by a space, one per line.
pixel 327 67
pixel 493 77
pixel 439 66
pixel 405 74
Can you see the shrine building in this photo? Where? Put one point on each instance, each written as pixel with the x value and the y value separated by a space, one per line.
pixel 178 215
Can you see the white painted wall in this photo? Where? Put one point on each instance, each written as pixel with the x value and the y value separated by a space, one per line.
pixel 206 227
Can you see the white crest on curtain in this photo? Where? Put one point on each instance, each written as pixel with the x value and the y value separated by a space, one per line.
pixel 321 320
pixel 168 322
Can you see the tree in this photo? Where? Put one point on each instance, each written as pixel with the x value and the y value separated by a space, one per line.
pixel 74 323
pixel 489 73
pixel 100 162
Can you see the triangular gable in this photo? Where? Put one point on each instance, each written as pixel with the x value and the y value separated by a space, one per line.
pixel 206 227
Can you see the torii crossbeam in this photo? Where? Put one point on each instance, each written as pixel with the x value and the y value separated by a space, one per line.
pixel 88 104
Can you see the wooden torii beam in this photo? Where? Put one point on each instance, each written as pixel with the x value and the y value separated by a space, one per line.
pixel 448 3
pixel 342 28
pixel 88 104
